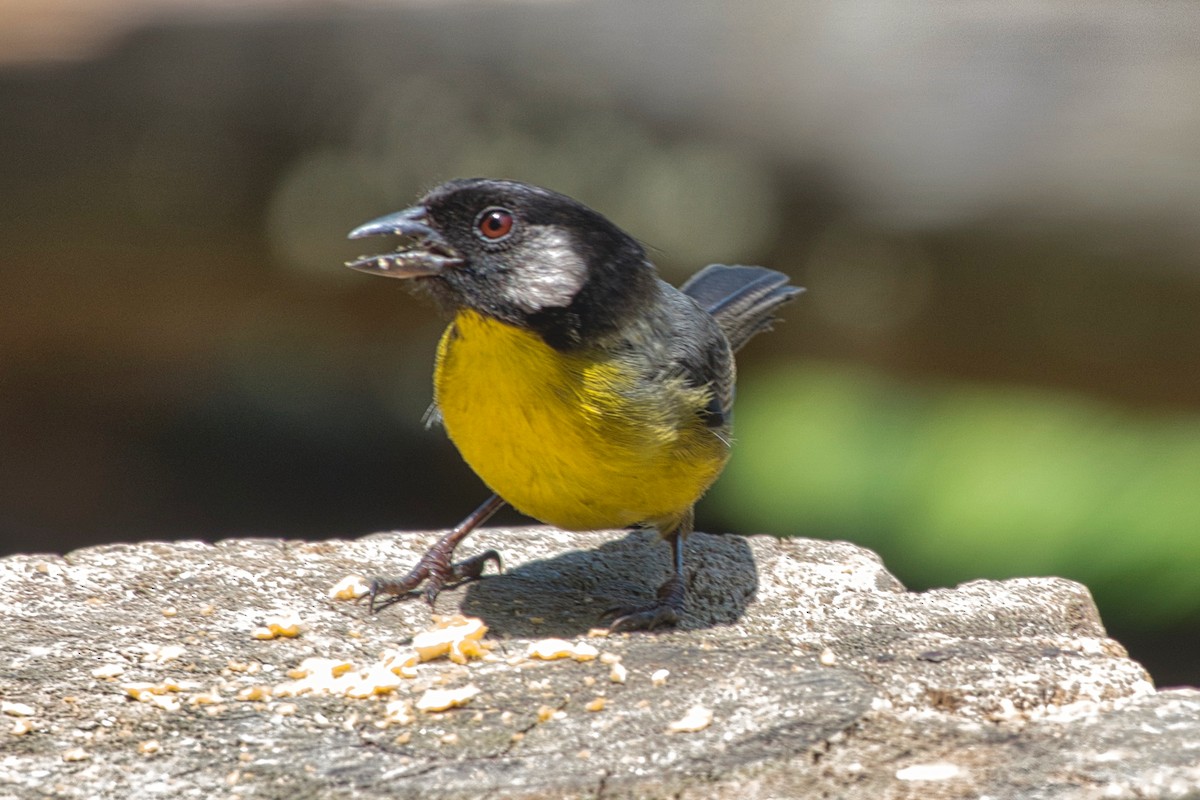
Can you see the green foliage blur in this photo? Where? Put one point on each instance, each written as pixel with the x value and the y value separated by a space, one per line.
pixel 951 482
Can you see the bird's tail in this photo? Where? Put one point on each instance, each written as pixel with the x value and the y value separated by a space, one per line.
pixel 741 299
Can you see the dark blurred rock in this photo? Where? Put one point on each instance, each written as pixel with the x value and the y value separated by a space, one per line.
pixel 824 676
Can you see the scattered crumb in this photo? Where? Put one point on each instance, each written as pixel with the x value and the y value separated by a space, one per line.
pixel 285 625
pixel 397 712
pixel 442 699
pixel 108 671
pixel 584 652
pixel 207 610
pixel 17 709
pixel 827 658
pixel 618 673
pixel 610 658
pixel 458 637
pixel 164 702
pixel 285 709
pixel 597 704
pixel 937 771
pixel 211 697
pixel 696 719
pixel 597 633
pixel 331 676
pixel 147 692
pixel 76 754
pixel 149 747
pixel 546 713
pixel 335 667
pixel 351 587
pixel 161 654
pixel 551 649
pixel 170 611
pixel 449 738
pixel 21 726
pixel 253 693
pixel 659 678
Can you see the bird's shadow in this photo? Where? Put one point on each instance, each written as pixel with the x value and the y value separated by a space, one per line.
pixel 569 594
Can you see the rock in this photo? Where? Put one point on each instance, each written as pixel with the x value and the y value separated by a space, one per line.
pixel 820 673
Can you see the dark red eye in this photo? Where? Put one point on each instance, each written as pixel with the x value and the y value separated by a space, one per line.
pixel 494 223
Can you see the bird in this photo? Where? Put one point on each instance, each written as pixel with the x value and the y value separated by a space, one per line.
pixel 584 390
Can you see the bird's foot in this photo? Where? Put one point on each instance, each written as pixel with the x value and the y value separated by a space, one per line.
pixel 665 612
pixel 436 571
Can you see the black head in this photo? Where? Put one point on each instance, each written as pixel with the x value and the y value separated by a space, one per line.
pixel 518 253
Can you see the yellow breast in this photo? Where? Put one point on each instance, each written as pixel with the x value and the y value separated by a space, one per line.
pixel 568 439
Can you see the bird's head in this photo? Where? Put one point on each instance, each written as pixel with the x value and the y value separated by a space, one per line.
pixel 519 253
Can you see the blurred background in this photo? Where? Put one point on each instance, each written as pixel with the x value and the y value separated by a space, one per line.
pixel 995 207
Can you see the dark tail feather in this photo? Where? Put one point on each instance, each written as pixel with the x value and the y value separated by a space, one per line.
pixel 742 299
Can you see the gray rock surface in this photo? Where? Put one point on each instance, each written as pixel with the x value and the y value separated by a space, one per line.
pixel 824 677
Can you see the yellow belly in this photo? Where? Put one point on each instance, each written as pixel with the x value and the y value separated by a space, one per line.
pixel 560 437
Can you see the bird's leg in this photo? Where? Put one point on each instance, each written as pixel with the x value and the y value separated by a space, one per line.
pixel 435 568
pixel 670 595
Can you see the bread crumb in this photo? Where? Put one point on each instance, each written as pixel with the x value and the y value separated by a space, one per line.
pixel 696 719
pixel 108 671
pixel 286 625
pixel 252 693
pixel 550 649
pixel 584 652
pixel 546 713
pixel 397 712
pixel 443 699
pixel 17 709
pixel 458 637
pixel 351 587
pixel 208 698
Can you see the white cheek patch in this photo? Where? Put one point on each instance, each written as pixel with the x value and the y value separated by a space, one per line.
pixel 551 276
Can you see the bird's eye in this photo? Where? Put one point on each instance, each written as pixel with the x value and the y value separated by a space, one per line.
pixel 494 223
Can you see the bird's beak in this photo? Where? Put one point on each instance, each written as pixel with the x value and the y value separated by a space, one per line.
pixel 428 253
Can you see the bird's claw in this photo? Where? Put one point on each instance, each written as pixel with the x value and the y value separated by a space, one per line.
pixel 434 570
pixel 665 612
pixel 646 618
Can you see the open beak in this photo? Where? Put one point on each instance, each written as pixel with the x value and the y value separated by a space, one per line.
pixel 426 253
